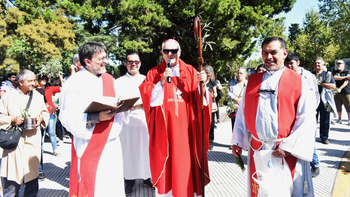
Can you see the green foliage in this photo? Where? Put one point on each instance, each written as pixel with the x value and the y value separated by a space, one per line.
pixel 37 30
pixel 315 40
pixel 51 68
pixel 32 33
pixel 294 31
pixel 273 27
pixel 336 13
pixel 144 25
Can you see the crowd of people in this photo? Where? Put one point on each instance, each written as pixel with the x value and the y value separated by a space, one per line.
pixel 158 140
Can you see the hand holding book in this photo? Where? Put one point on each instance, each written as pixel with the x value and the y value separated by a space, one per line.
pixel 110 103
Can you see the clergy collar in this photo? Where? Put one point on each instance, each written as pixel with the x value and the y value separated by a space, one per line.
pixel 85 70
pixel 275 71
pixel 176 66
pixel 128 74
pixel 176 70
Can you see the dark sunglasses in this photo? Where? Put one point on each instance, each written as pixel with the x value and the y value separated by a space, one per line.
pixel 136 62
pixel 173 51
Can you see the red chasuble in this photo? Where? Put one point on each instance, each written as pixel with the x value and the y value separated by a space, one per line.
pixel 85 185
pixel 289 91
pixel 175 132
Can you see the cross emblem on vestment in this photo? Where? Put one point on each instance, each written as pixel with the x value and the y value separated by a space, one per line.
pixel 178 93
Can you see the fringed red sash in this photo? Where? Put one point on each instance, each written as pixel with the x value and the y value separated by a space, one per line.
pixel 289 91
pixel 91 156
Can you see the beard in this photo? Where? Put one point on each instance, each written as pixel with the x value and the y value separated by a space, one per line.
pixel 272 68
pixel 98 71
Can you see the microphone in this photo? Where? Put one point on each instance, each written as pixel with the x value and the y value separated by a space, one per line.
pixel 169 66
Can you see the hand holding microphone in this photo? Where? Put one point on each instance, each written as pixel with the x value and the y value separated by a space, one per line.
pixel 168 73
pixel 169 66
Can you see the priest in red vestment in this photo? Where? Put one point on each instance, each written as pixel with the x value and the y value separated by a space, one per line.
pixel 173 117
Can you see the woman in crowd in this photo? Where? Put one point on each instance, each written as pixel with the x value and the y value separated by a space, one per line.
pixel 211 86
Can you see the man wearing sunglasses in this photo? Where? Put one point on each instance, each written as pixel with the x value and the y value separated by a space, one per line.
pixel 134 136
pixel 173 115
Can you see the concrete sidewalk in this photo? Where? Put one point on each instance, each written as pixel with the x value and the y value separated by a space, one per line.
pixel 227 180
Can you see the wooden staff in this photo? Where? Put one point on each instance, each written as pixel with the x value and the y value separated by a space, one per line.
pixel 198 37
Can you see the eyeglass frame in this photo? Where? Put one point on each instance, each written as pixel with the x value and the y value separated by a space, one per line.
pixel 173 51
pixel 131 62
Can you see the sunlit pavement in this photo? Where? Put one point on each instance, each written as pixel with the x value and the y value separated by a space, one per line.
pixel 226 177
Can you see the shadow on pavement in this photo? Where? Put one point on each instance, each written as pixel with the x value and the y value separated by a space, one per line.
pixel 219 156
pixel 345 142
pixel 57 174
pixel 53 193
pixel 341 130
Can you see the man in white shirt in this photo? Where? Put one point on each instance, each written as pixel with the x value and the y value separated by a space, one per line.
pixel 134 136
pixel 275 111
pixel 9 84
pixel 292 62
pixel 96 166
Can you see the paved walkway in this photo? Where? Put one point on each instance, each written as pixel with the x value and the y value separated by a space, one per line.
pixel 227 180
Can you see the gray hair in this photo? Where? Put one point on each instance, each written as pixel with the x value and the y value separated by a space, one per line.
pixel 208 69
pixel 75 58
pixel 319 58
pixel 243 69
pixel 172 40
pixel 22 74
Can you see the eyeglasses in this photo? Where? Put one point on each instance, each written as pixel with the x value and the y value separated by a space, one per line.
pixel 173 51
pixel 136 62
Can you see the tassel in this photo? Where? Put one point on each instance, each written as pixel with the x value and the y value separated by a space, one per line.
pixel 306 187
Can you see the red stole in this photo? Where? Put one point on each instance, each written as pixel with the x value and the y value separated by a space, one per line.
pixel 289 91
pixel 91 156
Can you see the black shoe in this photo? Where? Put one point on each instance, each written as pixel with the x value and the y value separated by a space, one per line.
pixel 215 127
pixel 41 177
pixel 128 188
pixel 315 171
pixel 230 148
pixel 148 183
pixel 324 141
pixel 211 146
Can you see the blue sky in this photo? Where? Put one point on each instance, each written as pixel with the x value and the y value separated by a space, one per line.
pixel 297 14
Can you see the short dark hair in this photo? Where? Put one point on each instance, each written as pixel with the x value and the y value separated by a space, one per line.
pixel 257 68
pixel 292 56
pixel 11 74
pixel 131 53
pixel 43 77
pixel 88 50
pixel 271 39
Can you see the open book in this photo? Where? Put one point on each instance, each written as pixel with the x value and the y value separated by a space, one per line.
pixel 105 103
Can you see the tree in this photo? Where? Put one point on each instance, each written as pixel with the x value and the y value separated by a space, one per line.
pixel 294 31
pixel 144 25
pixel 315 41
pixel 31 33
pixel 273 27
pixel 337 15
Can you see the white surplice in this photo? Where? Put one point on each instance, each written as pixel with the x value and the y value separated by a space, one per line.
pixel 76 95
pixel 300 142
pixel 134 136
